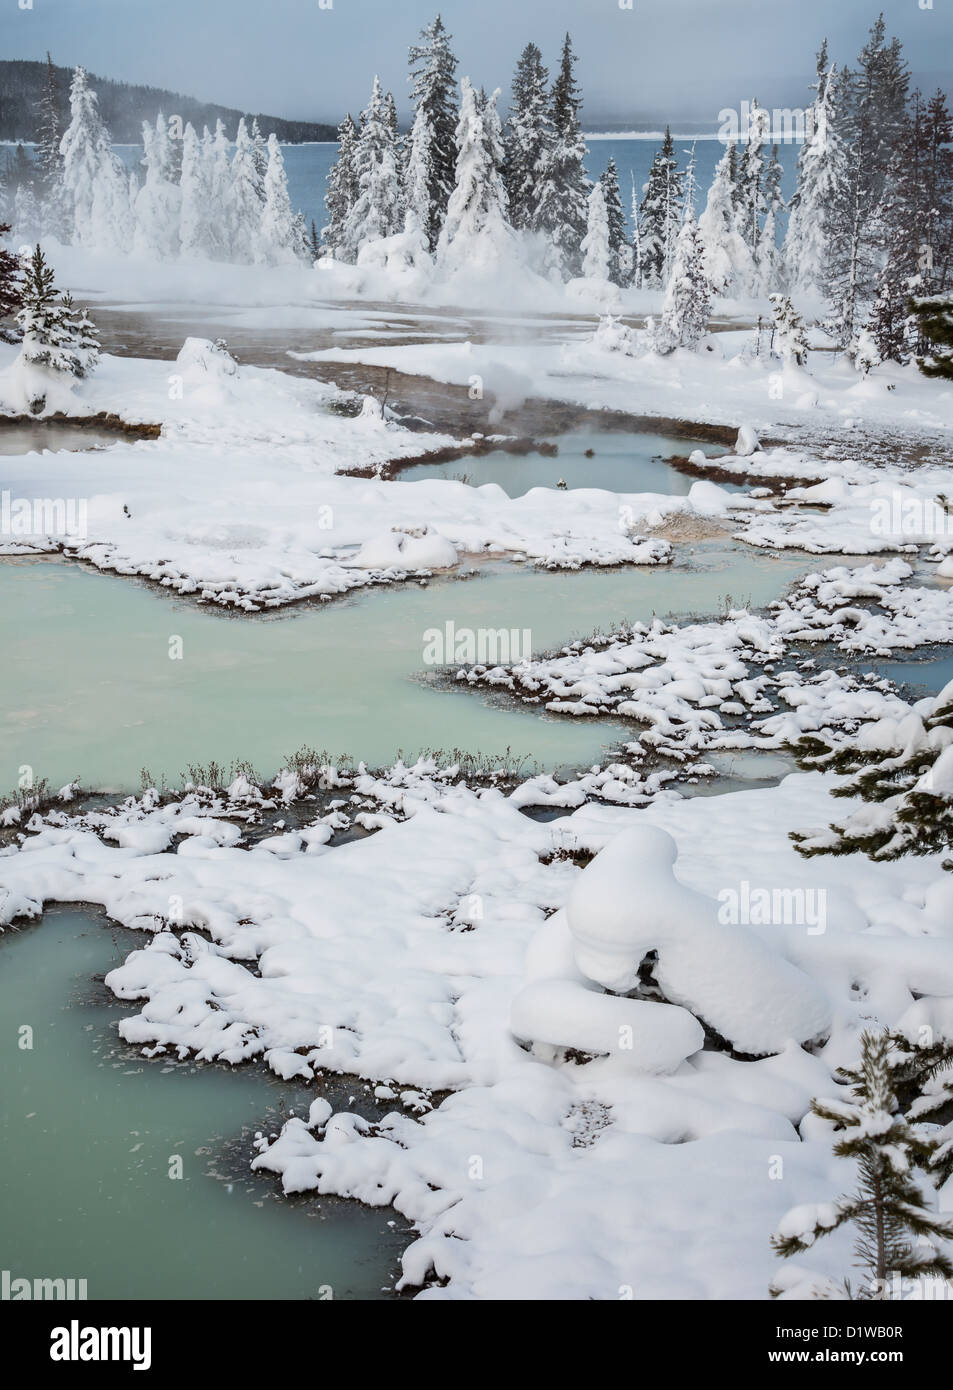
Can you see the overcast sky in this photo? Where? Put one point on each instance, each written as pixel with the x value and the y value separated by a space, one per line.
pixel 659 60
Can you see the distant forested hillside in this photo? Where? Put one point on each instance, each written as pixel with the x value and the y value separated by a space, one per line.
pixel 124 107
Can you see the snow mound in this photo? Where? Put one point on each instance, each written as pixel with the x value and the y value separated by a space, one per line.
pixel 397 550
pixel 628 903
pixel 747 442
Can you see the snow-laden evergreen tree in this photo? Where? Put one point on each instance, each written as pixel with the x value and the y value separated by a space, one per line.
pixel 26 213
pixel 905 775
pixel 914 226
pixel 661 215
pixel 562 212
pixel 417 177
pixel 922 1073
pixel 686 308
pixel 637 268
pixel 49 161
pixel 768 259
pixel 158 205
pixel 818 212
pixel 82 342
pixel 57 339
pixel 246 199
pixel 476 231
pixel 790 338
pixel 620 252
pixel 342 192
pixel 376 212
pixel 94 183
pixel 751 177
pixel 301 237
pixel 11 287
pixel 890 326
pixel 936 166
pixel 728 261
pixel 41 319
pixel 259 152
pixel 876 110
pixel 433 69
pixel 898 1232
pixel 216 151
pixel 595 244
pixel 48 158
pixel 529 139
pixel 279 240
pixel 871 119
pixel 934 315
pixel 195 234
pixel 818 170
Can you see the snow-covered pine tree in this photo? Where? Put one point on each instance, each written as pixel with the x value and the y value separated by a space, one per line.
pixel 936 141
pixel 278 239
pixel 751 176
pixel 661 215
pixel 41 318
pixel 897 1231
pixel 417 166
pixel 82 342
pixel 906 776
pixel 620 252
pixel 342 191
pixel 301 238
pixel 890 324
pixel 819 171
pixel 637 268
pixel 216 153
pixel 11 287
pixel 934 315
pixel 476 231
pixel 58 339
pixel 49 161
pixel 246 199
pixel 790 338
pixel 595 244
pixel 728 261
pixel 768 259
pixel 921 1073
pixel 158 205
pixel 562 211
pixel 259 152
pixel 195 235
pixel 914 226
pixel 871 120
pixel 529 139
pixel 433 70
pixel 26 213
pixel 376 211
pixel 686 307
pixel 94 182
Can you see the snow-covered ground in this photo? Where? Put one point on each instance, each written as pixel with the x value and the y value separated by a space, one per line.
pixel 651 1168
pixel 630 1070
